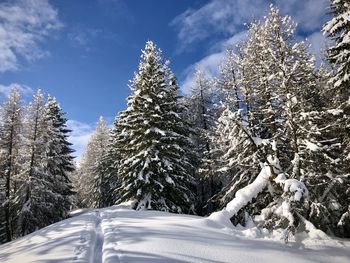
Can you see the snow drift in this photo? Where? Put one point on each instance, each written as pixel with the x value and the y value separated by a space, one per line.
pixel 119 234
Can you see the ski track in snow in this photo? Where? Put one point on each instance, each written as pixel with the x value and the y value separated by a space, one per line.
pixel 98 242
pixel 81 251
pixel 120 235
pixel 111 252
pixel 97 248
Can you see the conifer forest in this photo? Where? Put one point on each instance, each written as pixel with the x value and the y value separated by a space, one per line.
pixel 265 142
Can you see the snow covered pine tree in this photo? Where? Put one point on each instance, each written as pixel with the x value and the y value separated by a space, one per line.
pixel 338 29
pixel 10 142
pixel 44 193
pixel 155 151
pixel 201 114
pixel 91 186
pixel 276 76
pixel 58 159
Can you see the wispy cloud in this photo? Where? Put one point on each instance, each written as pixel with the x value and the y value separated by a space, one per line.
pixel 116 9
pixel 225 22
pixel 80 135
pixel 216 17
pixel 82 37
pixel 309 14
pixel 24 24
pixel 85 38
pixel 226 18
pixel 24 89
pixel 319 44
pixel 209 65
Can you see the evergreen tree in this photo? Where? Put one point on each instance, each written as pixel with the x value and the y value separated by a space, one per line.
pixel 338 28
pixel 155 165
pixel 276 76
pixel 228 81
pixel 236 157
pixel 92 182
pixel 10 142
pixel 58 159
pixel 110 164
pixel 202 111
pixel 30 200
pixel 44 194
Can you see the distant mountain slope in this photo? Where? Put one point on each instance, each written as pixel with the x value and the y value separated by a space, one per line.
pixel 119 234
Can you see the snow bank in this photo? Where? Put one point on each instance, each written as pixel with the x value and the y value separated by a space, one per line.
pixel 242 198
pixel 119 234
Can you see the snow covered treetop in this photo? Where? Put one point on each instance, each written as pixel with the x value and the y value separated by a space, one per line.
pixel 151 51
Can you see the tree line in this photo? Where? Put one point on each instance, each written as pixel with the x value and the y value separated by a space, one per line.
pixel 270 106
pixel 36 160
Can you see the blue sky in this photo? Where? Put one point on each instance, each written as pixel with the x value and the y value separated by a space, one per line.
pixel 84 52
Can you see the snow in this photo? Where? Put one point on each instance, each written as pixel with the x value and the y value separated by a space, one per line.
pixel 296 187
pixel 335 111
pixel 156 130
pixel 242 197
pixel 311 146
pixel 285 210
pixel 78 212
pixel 293 186
pixel 119 234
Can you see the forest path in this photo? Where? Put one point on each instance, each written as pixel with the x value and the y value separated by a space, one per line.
pixel 119 234
pixel 97 248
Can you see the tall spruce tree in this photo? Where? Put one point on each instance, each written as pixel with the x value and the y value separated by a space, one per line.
pixel 110 164
pixel 58 159
pixel 155 165
pixel 10 142
pixel 93 186
pixel 338 29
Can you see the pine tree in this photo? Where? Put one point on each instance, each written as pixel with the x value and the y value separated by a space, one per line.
pixel 155 165
pixel 10 142
pixel 276 76
pixel 30 200
pixel 228 81
pixel 110 164
pixel 202 111
pixel 44 195
pixel 338 28
pixel 92 182
pixel 236 157
pixel 58 159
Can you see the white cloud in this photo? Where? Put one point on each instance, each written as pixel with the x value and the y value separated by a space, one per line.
pixel 209 65
pixel 79 136
pixel 226 18
pixel 24 89
pixel 309 14
pixel 24 24
pixel 82 37
pixel 318 44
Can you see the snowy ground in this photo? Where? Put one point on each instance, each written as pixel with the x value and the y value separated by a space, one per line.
pixel 118 234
